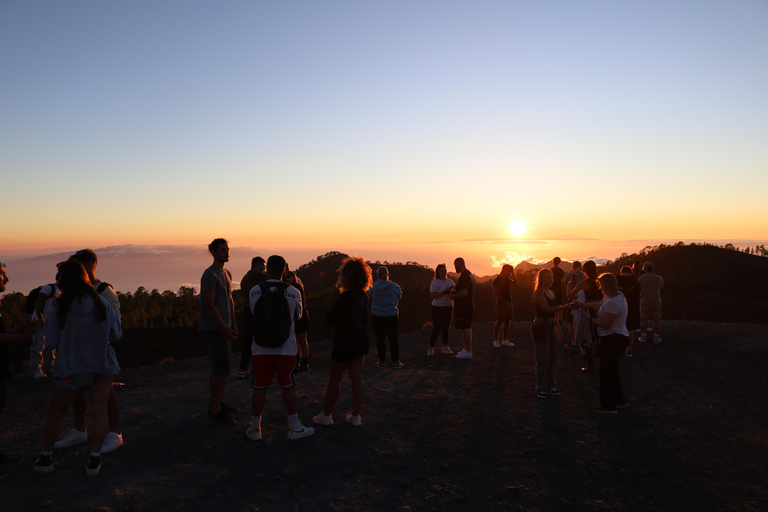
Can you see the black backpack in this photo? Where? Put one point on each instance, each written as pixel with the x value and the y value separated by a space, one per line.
pixel 271 318
pixel 29 303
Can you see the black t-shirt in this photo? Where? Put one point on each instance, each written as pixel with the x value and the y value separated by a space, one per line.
pixel 349 315
pixel 557 285
pixel 466 282
pixel 502 284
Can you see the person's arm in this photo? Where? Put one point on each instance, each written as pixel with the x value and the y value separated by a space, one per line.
pixel 40 304
pixel 575 290
pixel 210 307
pixel 437 295
pixel 541 300
pixel 605 322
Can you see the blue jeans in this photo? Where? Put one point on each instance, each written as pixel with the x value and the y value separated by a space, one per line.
pixel 546 355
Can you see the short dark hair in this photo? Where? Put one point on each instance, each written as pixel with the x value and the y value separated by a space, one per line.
pixel 576 265
pixel 275 266
pixel 257 259
pixel 557 260
pixel 85 257
pixel 459 260
pixel 214 246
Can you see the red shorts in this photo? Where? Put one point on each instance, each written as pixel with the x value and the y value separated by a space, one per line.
pixel 265 367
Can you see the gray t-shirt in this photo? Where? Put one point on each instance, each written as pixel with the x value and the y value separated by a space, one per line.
pixel 650 289
pixel 220 283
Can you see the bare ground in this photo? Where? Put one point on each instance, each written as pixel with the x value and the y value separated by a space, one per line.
pixel 440 434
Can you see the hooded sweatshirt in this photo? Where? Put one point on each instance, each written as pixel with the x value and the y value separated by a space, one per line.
pixel 83 345
pixel 384 298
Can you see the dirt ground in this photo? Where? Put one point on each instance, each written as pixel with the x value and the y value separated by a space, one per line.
pixel 440 434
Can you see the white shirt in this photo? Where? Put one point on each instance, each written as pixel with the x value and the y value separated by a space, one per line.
pixel 289 348
pixel 440 285
pixel 618 306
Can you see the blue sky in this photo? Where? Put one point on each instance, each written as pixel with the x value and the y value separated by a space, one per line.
pixel 374 124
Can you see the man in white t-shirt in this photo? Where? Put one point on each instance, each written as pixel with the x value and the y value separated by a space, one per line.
pixel 268 301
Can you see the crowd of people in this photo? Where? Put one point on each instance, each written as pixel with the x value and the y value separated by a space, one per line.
pixel 76 321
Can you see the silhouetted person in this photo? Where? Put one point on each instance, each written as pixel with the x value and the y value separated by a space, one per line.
pixel 440 290
pixel 558 275
pixel 217 321
pixel 257 274
pixel 463 299
pixel 384 296
pixel 629 286
pixel 502 290
pixel 650 301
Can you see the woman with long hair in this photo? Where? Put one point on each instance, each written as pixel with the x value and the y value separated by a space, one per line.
pixel 442 308
pixel 81 327
pixel 349 315
pixel 544 332
pixel 611 322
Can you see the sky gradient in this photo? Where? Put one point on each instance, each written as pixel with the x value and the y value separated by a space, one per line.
pixel 384 128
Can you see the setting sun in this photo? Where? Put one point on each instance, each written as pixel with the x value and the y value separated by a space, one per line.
pixel 517 228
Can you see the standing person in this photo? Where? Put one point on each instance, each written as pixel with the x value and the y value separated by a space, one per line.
pixel 630 288
pixel 588 294
pixel 502 289
pixel 544 332
pixel 463 298
pixel 5 364
pixel 650 301
pixel 302 324
pixel 78 435
pixel 275 307
pixel 384 296
pixel 442 308
pixel 81 327
pixel 558 274
pixel 257 274
pixel 217 321
pixel 637 271
pixel 349 316
pixel 570 280
pixel 41 359
pixel 611 322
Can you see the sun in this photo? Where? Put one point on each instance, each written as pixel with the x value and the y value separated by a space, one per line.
pixel 517 228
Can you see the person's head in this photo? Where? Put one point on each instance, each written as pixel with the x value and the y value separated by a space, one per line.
pixel 576 266
pixel 354 275
pixel 74 282
pixel 459 265
pixel 441 271
pixel 544 279
pixel 608 284
pixel 382 273
pixel 87 258
pixel 506 270
pixel 648 267
pixel 3 277
pixel 275 267
pixel 626 271
pixel 219 249
pixel 289 277
pixel 590 268
pixel 258 264
pixel 637 267
pixel 556 261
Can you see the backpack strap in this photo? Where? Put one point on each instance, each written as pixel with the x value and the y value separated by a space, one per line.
pixel 102 286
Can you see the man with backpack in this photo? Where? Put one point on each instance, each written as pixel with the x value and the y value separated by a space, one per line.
pixel 275 306
pixel 39 304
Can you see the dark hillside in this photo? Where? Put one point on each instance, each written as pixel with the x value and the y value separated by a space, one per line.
pixel 706 282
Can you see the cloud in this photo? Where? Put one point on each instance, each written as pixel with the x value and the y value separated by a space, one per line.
pixel 514 259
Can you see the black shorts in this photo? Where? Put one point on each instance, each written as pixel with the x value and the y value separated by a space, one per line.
pixel 302 324
pixel 219 353
pixel 463 318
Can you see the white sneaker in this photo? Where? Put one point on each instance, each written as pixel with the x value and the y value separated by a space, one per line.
pixel 253 435
pixel 642 338
pixel 36 374
pixel 72 438
pixel 464 354
pixel 431 351
pixel 656 339
pixel 356 421
pixel 496 344
pixel 302 432
pixel 112 441
pixel 446 350
pixel 507 343
pixel 322 419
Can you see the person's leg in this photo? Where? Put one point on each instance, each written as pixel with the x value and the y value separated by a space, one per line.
pixel 551 355
pixel 289 400
pixel 334 385
pixel 258 399
pixel 643 323
pixel 99 394
pixel 436 325
pixel 36 352
pixel 355 369
pixel 380 330
pixel 217 392
pixel 657 322
pixel 466 336
pixel 61 398
pixel 220 354
pixel 445 323
pixel 541 348
pixel 113 410
pixel 393 328
pixel 301 339
pixel 79 408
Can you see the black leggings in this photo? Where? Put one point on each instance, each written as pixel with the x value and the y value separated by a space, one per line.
pixel 441 323
pixel 387 327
